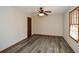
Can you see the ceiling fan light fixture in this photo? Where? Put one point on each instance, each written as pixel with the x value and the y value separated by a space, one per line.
pixel 41 14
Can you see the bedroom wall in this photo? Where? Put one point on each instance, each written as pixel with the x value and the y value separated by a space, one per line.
pixel 48 25
pixel 13 26
pixel 74 45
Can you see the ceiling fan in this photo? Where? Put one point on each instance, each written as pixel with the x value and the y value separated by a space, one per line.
pixel 42 12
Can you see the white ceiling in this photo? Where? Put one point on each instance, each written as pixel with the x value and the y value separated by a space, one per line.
pixel 54 9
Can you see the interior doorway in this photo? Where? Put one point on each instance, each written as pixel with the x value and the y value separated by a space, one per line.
pixel 29 26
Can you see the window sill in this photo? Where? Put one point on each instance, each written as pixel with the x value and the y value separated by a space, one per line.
pixel 73 39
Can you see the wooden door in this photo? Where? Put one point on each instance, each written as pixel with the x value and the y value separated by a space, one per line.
pixel 29 27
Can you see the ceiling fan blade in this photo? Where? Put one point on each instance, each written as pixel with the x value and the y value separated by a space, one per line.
pixel 46 14
pixel 48 11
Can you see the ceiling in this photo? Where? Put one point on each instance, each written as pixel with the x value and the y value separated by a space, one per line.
pixel 33 9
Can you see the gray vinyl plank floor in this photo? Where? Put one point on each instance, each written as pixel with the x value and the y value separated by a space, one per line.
pixel 42 44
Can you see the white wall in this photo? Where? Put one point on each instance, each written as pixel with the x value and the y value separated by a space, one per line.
pixel 74 45
pixel 48 25
pixel 13 26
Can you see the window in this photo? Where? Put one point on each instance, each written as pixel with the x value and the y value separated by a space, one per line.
pixel 74 24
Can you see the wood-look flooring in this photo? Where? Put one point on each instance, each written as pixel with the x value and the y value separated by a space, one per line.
pixel 41 44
